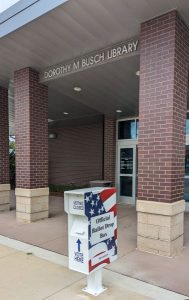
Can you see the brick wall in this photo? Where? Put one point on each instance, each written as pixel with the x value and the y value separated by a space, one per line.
pixel 4 137
pixel 76 155
pixel 109 148
pixel 31 127
pixel 162 108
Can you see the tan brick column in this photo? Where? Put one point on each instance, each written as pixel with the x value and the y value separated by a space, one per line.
pixel 31 126
pixel 4 151
pixel 162 115
pixel 109 148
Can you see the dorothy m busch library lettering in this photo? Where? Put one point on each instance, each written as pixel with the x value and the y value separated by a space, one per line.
pixel 95 94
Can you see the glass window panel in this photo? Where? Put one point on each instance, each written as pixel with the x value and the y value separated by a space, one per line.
pixel 187 161
pixel 126 161
pixel 126 130
pixel 126 186
pixel 186 189
pixel 133 129
pixel 186 180
pixel 137 129
pixel 187 124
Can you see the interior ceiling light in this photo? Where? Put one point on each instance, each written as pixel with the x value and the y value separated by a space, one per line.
pixel 52 135
pixel 65 113
pixel 119 111
pixel 137 73
pixel 50 120
pixel 77 89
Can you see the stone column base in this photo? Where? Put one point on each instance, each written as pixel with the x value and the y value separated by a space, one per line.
pixel 32 204
pixel 160 227
pixel 4 197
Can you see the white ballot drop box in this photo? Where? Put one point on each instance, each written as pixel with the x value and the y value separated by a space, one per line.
pixel 92 228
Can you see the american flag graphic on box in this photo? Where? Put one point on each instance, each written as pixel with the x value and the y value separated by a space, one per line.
pixel 101 211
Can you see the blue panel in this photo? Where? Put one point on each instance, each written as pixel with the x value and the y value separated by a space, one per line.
pixel 187 124
pixel 24 12
pixel 15 9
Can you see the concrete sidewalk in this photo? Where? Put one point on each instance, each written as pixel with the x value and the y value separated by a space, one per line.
pixel 26 277
pixel 51 234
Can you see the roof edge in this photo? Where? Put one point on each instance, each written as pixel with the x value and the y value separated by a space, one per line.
pixel 15 9
pixel 24 12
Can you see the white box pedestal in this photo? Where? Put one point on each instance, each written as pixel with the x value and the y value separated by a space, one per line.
pixel 94 283
pixel 92 233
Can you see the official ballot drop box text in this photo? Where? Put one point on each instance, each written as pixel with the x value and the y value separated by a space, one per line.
pixel 92 228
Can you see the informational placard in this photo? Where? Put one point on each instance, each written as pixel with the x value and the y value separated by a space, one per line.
pixel 92 216
pixel 102 228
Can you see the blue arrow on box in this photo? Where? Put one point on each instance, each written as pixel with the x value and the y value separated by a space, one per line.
pixel 79 245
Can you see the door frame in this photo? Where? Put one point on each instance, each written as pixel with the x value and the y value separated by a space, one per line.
pixel 127 199
pixel 127 142
pixel 187 176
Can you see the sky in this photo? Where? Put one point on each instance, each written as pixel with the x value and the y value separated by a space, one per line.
pixel 4 4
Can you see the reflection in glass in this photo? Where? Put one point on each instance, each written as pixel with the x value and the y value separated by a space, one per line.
pixel 136 188
pixel 126 130
pixel 186 180
pixel 137 123
pixel 126 186
pixel 126 161
pixel 187 124
pixel 187 161
pixel 186 189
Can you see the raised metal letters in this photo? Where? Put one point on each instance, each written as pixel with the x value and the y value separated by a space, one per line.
pixel 112 53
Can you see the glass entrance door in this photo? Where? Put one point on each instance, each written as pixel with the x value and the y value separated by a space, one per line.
pixel 127 173
pixel 186 179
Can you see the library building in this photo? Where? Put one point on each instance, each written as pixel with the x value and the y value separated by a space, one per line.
pixel 95 93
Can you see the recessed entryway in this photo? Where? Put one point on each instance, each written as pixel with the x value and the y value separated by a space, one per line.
pixel 127 135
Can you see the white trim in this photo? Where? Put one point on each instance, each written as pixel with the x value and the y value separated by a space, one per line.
pixel 187 139
pixel 127 119
pixel 130 142
pixel 186 206
pixel 124 199
pixel 187 176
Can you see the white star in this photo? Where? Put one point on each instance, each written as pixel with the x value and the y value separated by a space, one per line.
pixel 98 197
pixel 91 195
pixel 87 199
pixel 91 212
pixel 92 202
pixel 99 211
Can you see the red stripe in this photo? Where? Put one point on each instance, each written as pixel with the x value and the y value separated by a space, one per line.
pixel 100 253
pixel 114 209
pixel 91 268
pixel 115 234
pixel 105 194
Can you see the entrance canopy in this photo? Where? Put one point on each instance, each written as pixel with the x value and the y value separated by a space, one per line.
pixel 74 29
pixel 105 89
